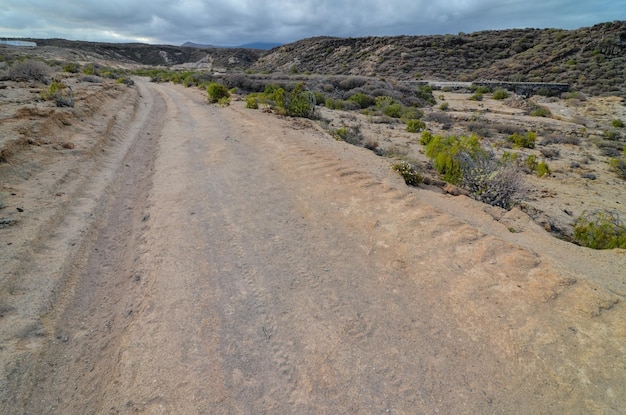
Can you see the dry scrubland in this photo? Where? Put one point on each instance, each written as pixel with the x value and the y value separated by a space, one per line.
pixel 558 161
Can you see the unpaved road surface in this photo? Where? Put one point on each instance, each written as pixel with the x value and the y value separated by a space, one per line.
pixel 247 264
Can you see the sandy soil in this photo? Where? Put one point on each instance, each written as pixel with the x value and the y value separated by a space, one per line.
pixel 187 258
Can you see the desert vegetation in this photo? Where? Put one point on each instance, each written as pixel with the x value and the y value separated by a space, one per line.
pixel 484 146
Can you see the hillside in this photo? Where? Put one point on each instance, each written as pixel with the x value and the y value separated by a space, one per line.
pixel 589 59
pixel 155 55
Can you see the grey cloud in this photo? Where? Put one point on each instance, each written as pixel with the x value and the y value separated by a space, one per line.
pixel 241 21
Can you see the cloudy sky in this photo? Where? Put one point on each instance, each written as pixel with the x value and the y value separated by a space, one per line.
pixel 235 22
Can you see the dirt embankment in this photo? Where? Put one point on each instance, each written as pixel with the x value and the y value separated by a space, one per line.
pixel 242 263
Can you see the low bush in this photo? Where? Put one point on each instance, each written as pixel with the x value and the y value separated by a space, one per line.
pixel 612 135
pixel 395 151
pixel 600 230
pixel 490 181
pixel 500 94
pixel 540 111
pixel 252 103
pixel 480 89
pixel 29 70
pixel 300 103
pixel 71 67
pixel 415 126
pixel 59 93
pixel 445 152
pixel 542 169
pixel 394 110
pixel 425 92
pixel 477 96
pixel 527 140
pixel 610 148
pixel 550 153
pixel 216 92
pixel 224 101
pixel 439 117
pixel 352 82
pixel 408 172
pixel 444 106
pixel 335 104
pixel 426 138
pixel 617 123
pixel 351 135
pixel 618 165
pixel 411 113
pixel 362 100
pixel 558 139
pixel 92 69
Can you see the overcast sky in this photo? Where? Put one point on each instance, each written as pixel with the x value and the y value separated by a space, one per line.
pixel 234 22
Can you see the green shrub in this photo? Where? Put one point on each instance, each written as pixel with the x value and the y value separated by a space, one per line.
pixel 408 172
pixel 60 93
pixel 500 94
pixel 444 106
pixel 71 67
pixel 320 99
pixel 216 92
pixel 91 69
pixel 394 110
pixel 300 103
pixel 53 90
pixel 334 104
pixel 415 126
pixel 362 100
pixel 542 169
pixel 124 80
pixel 600 230
pixel 617 123
pixel 426 138
pixel 540 111
pixel 425 92
pixel 482 90
pixel 523 141
pixel 351 135
pixel 531 163
pixel 252 103
pixel 618 165
pixel 445 152
pixel 411 113
pixel 477 96
pixel 508 157
pixel 224 101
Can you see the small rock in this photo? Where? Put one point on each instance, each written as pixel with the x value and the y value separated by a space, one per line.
pixel 455 190
pixel 6 222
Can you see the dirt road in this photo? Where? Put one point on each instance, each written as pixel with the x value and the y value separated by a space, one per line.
pixel 249 264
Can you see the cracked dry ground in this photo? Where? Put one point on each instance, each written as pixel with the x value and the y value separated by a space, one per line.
pixel 241 263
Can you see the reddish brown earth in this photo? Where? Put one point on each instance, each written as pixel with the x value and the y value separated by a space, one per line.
pixel 186 258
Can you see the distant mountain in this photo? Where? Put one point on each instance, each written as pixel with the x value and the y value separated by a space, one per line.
pixel 255 45
pixel 196 45
pixel 260 45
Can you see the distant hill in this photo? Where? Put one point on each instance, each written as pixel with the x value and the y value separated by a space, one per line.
pixel 196 45
pixel 232 59
pixel 590 59
pixel 261 45
pixel 256 45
